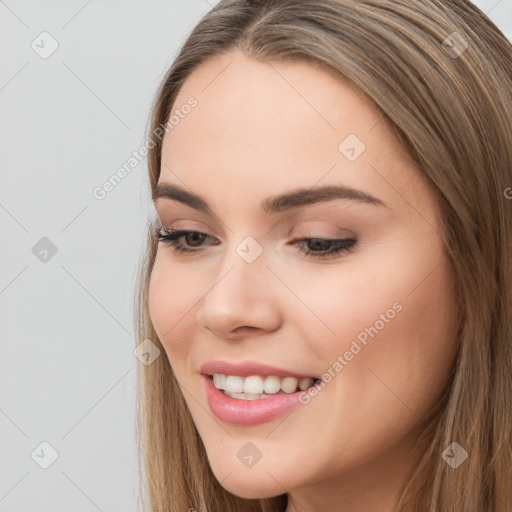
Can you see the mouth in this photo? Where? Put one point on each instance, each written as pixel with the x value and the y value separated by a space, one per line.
pixel 252 399
pixel 251 392
pixel 255 387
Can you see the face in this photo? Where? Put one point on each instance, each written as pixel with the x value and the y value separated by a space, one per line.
pixel 264 286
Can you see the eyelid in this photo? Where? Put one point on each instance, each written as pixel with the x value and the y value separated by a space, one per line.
pixel 343 246
pixel 300 228
pixel 322 231
pixel 318 213
pixel 177 226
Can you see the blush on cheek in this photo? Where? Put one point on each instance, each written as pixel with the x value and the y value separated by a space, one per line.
pixel 166 301
pixel 171 320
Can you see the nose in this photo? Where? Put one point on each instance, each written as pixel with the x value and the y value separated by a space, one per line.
pixel 241 300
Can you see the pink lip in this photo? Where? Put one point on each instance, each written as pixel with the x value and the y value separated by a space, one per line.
pixel 248 368
pixel 247 412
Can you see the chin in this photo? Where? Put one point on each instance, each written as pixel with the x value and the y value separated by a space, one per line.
pixel 252 491
pixel 248 483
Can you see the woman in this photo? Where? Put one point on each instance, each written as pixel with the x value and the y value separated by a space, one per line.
pixel 329 275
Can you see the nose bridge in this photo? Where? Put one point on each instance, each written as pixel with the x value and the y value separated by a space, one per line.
pixel 242 272
pixel 240 295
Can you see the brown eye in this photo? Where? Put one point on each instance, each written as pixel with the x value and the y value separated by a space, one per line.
pixel 192 238
pixel 326 248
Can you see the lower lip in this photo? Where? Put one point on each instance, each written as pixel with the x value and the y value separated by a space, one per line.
pixel 247 412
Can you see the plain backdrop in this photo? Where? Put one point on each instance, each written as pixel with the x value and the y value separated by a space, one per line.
pixel 77 79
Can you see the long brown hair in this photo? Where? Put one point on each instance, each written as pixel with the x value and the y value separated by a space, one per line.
pixel 448 99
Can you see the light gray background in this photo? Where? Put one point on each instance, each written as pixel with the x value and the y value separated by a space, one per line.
pixel 68 122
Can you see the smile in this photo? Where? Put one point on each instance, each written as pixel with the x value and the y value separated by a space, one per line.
pixel 254 387
pixel 242 408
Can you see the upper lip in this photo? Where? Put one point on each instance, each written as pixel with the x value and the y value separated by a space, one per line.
pixel 247 368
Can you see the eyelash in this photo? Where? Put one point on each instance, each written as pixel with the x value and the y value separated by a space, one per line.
pixel 341 245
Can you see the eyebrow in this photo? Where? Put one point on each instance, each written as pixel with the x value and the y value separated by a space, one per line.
pixel 290 200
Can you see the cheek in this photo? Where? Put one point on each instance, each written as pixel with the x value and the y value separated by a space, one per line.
pixel 170 303
pixel 391 319
pixel 396 335
pixel 399 344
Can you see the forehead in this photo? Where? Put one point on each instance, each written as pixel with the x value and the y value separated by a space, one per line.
pixel 274 101
pixel 265 126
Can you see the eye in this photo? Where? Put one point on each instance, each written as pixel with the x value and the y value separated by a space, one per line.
pixel 324 248
pixel 321 248
pixel 171 237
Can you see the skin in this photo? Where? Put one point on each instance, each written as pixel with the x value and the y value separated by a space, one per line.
pixel 262 129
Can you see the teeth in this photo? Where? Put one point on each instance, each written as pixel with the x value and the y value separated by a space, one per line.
pixel 234 383
pixel 217 377
pixel 246 396
pixel 289 384
pixel 254 386
pixel 305 383
pixel 272 384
